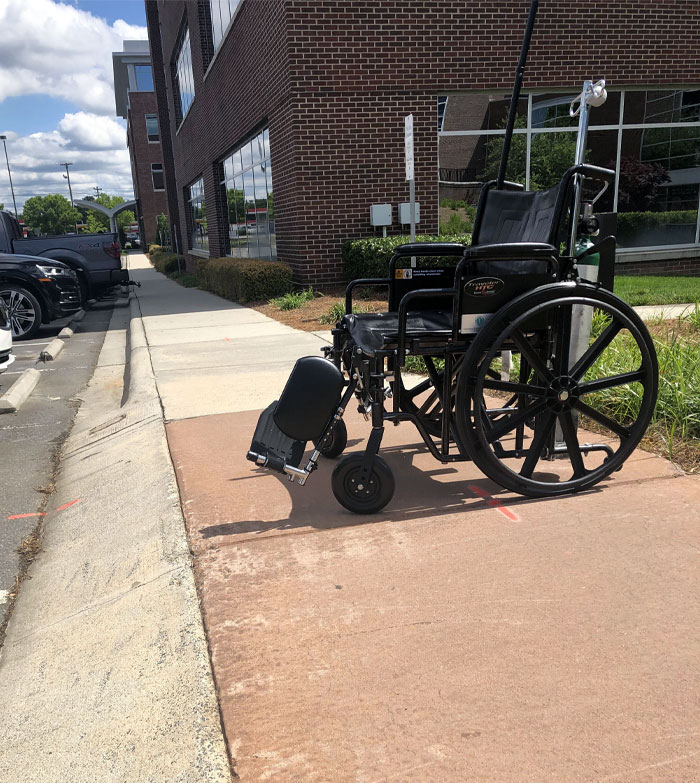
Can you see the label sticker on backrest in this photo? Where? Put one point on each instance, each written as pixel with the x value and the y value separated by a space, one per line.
pixel 483 286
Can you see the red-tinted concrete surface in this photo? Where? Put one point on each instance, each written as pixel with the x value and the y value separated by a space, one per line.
pixel 445 639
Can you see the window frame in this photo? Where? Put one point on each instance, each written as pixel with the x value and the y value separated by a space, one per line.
pixel 191 221
pixel 148 135
pixel 159 169
pixel 243 172
pixel 186 70
pixel 620 127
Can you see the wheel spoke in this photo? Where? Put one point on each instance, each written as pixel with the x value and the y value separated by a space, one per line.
pixel 594 351
pixel 568 428
pixel 542 429
pixel 515 388
pixel 419 388
pixel 509 423
pixel 533 357
pixel 602 419
pixel 613 380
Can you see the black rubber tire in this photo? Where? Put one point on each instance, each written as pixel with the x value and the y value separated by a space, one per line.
pixel 335 442
pixel 369 500
pixel 84 289
pixel 22 305
pixel 472 423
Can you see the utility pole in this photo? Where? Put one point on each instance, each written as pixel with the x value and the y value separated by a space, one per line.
pixel 4 143
pixel 97 190
pixel 70 189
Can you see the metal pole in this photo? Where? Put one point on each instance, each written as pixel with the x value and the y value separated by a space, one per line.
pixel 9 174
pixel 515 97
pixel 412 198
pixel 70 189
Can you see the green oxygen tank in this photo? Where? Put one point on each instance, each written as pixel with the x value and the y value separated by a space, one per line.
pixel 588 265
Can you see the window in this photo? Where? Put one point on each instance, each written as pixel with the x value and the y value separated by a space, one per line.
pixel 651 138
pixel 157 176
pixel 144 78
pixel 221 12
pixel 152 128
pixel 247 192
pixel 183 77
pixel 194 195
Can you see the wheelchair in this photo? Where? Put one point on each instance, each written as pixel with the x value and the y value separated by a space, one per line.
pixel 531 367
pixel 517 348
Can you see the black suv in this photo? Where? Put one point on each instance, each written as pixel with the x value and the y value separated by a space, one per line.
pixel 36 290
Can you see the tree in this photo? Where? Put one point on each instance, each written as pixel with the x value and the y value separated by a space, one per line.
pixel 551 154
pixel 51 214
pixel 640 185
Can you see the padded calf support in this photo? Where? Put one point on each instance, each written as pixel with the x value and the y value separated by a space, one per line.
pixel 309 399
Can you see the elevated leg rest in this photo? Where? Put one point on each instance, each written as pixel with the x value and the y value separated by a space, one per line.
pixel 271 448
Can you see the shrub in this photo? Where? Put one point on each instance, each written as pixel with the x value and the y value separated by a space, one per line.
pixel 153 248
pixel 370 257
pixel 294 300
pixel 631 225
pixel 245 279
pixel 167 263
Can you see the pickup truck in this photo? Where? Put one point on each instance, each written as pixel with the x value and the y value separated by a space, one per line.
pixel 95 258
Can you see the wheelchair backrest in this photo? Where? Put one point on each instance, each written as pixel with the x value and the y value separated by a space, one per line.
pixel 423 265
pixel 506 216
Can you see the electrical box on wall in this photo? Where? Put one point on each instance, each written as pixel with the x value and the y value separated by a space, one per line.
pixel 380 215
pixel 405 213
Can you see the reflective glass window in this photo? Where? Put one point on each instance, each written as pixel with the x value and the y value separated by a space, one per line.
pixel 144 78
pixel 184 77
pixel 247 186
pixel 199 237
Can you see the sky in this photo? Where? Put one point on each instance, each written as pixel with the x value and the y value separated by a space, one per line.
pixel 57 96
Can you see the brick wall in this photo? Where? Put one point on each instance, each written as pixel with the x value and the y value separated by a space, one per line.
pixel 334 79
pixel 143 153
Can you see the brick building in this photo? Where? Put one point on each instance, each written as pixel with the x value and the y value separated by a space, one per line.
pixel 135 100
pixel 286 117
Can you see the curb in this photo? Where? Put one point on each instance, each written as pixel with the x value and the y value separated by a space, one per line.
pixel 13 399
pixel 69 329
pixel 52 350
pixel 120 649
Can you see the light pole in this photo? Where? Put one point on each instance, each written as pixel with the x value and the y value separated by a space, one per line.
pixel 4 144
pixel 70 189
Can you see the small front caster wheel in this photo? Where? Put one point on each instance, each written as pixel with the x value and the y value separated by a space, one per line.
pixel 335 442
pixel 358 491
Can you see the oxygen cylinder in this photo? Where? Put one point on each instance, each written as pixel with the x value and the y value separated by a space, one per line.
pixel 587 266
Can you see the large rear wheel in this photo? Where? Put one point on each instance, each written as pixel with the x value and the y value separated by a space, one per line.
pixel 577 400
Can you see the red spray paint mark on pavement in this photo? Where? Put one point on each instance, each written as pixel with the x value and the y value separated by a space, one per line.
pixel 491 501
pixel 43 513
pixel 66 505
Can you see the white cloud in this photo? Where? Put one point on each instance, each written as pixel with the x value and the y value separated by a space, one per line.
pixel 95 145
pixel 55 49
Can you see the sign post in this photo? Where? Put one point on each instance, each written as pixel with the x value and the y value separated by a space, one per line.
pixel 408 141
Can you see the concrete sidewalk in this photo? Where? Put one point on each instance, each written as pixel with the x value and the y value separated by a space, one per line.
pixel 462 634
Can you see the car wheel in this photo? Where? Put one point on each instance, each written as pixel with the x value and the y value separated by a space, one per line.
pixel 24 309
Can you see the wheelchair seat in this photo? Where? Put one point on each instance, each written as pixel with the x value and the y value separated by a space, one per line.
pixel 372 331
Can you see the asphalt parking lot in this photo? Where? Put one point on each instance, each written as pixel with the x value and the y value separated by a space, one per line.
pixel 31 438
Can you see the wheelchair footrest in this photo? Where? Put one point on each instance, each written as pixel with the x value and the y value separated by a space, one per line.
pixel 271 448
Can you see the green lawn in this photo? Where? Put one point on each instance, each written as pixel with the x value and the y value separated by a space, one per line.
pixel 647 290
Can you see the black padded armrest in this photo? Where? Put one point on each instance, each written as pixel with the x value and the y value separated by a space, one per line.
pixel 430 249
pixel 362 281
pixel 510 250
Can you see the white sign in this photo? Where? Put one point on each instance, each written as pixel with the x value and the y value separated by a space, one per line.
pixel 409 146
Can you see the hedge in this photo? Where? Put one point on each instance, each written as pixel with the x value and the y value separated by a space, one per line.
pixel 244 279
pixel 631 223
pixel 370 257
pixel 167 263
